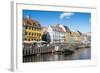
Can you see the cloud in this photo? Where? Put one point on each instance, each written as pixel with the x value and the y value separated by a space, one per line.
pixel 68 14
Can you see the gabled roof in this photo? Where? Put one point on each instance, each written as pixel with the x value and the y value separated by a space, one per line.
pixel 79 32
pixel 57 28
pixel 31 22
pixel 66 28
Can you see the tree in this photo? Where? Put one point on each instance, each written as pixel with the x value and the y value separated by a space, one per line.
pixel 46 37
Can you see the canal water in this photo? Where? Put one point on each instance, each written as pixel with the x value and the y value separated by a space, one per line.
pixel 79 54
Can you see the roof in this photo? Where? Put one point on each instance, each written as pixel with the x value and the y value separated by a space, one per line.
pixel 31 22
pixel 79 32
pixel 66 28
pixel 76 33
pixel 57 28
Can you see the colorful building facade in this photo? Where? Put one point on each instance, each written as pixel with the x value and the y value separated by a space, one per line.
pixel 31 30
pixel 68 36
pixel 57 34
pixel 77 39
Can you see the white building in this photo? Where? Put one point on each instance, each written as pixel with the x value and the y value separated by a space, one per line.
pixel 57 34
pixel 86 37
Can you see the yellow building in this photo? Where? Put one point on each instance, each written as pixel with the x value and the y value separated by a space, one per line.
pixel 77 39
pixel 67 39
pixel 31 30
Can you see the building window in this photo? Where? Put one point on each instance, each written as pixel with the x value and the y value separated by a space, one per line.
pixel 39 34
pixel 29 33
pixel 25 33
pixel 32 28
pixel 32 33
pixel 25 39
pixel 36 29
pixel 28 39
pixel 29 27
pixel 26 27
pixel 39 24
pixel 36 34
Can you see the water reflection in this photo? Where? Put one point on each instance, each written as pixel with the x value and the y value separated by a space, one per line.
pixel 79 54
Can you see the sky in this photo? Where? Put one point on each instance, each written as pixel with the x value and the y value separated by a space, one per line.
pixel 76 21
